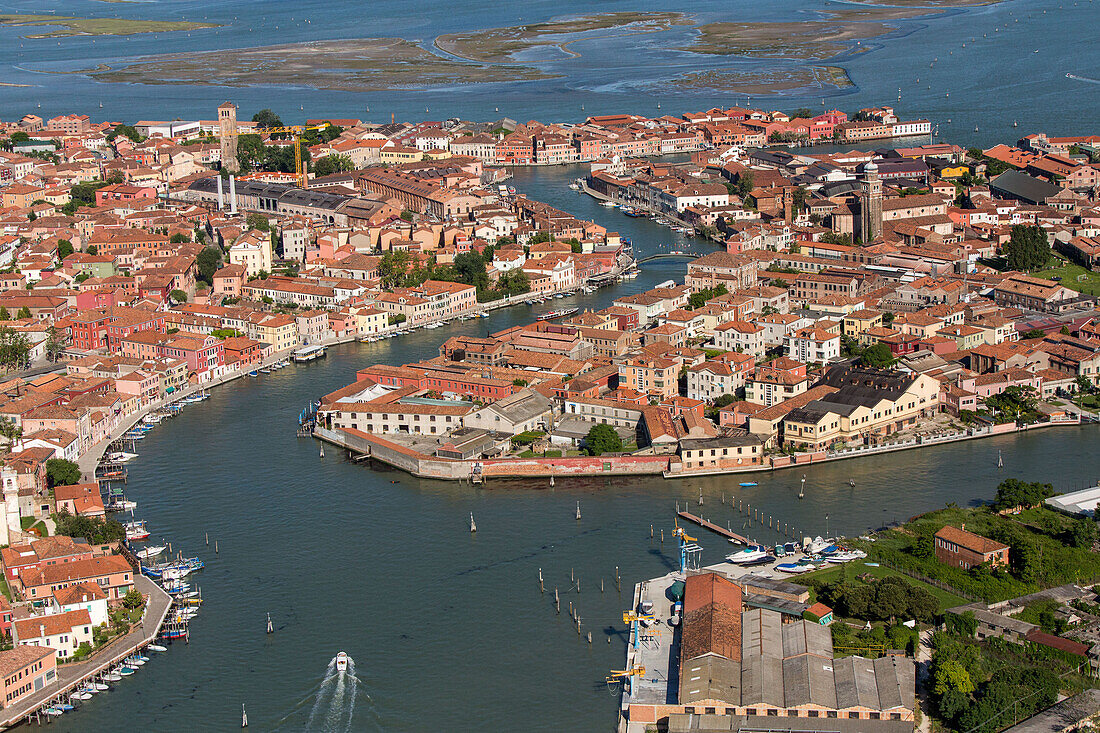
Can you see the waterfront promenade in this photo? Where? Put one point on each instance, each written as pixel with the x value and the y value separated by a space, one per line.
pixel 71 676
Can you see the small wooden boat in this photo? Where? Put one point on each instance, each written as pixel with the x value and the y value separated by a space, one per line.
pixel 748 483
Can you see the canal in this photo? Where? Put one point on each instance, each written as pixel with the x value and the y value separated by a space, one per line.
pixel 448 630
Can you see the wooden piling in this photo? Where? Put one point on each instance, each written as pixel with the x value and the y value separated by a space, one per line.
pixel 542 588
pixel 601 585
pixel 590 638
pixel 557 602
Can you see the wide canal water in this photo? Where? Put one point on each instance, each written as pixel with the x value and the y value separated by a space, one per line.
pixel 448 629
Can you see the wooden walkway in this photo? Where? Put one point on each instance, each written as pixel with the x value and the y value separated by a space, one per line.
pixel 728 534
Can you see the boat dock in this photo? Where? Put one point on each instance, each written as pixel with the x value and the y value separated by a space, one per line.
pixel 727 533
pixel 74 675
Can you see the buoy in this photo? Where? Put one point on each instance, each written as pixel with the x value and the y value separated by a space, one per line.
pixel 551 481
pixel 1000 460
pixel 473 526
pixel 322 451
pixel 270 626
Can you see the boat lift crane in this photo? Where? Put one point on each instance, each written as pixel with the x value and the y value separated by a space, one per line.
pixel 689 550
pixel 295 131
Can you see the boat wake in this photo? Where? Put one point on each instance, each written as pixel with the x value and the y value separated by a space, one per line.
pixel 334 705
pixel 1075 77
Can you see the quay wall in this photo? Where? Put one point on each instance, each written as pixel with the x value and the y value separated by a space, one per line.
pixel 364 445
pixel 376 447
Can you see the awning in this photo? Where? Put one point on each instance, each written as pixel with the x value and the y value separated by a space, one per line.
pixel 169 390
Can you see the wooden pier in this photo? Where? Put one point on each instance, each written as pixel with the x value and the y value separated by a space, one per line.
pixel 728 534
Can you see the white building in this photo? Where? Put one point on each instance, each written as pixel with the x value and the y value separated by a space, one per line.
pixel 712 379
pixel 82 596
pixel 743 336
pixel 64 632
pixel 812 345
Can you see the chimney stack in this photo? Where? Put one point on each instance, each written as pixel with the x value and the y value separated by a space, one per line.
pixel 232 194
pixel 221 202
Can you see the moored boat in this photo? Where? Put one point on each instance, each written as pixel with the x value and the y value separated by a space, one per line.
pixel 795 568
pixel 752 553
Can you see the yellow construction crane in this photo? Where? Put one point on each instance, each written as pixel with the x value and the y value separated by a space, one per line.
pixel 621 674
pixel 295 131
pixel 630 617
pixel 679 532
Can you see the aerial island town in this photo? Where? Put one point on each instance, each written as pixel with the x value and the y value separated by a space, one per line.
pixel 893 292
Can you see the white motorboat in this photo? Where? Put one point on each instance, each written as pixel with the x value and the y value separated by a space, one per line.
pixel 100 686
pixel 752 553
pixel 157 648
pixel 818 545
pixel 846 556
pixel 121 505
pixel 113 677
pixel 342 662
pixel 82 695
pixel 121 457
pixel 795 568
pixel 149 552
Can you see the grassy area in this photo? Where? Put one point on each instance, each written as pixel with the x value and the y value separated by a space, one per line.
pixel 1040 557
pixel 4 588
pixel 852 570
pixel 27 522
pixel 1070 273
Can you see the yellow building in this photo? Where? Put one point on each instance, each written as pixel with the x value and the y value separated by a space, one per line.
pixel 868 404
pixel 860 322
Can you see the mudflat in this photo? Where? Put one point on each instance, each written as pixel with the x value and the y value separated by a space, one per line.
pixel 498 45
pixel 70 26
pixel 764 82
pixel 362 65
pixel 807 40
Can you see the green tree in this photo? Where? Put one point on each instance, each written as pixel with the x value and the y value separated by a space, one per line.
pixel 844 240
pixel 470 268
pixel 266 118
pixel 602 439
pixel 393 269
pixel 744 185
pixel 1035 333
pixel 951 675
pixel 1013 492
pixel 62 472
pixel 132 599
pixel 407 215
pixel 96 531
pixel 24 313
pixel 333 163
pixel 1027 248
pixel 92 249
pixel 1083 534
pixel 513 282
pixel 55 343
pixel 4 315
pixel 19 137
pixel 179 238
pixel 877 356
pixel 64 248
pixel 208 262
pixel 14 346
pixel 178 295
pixel 10 432
pixel 258 221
